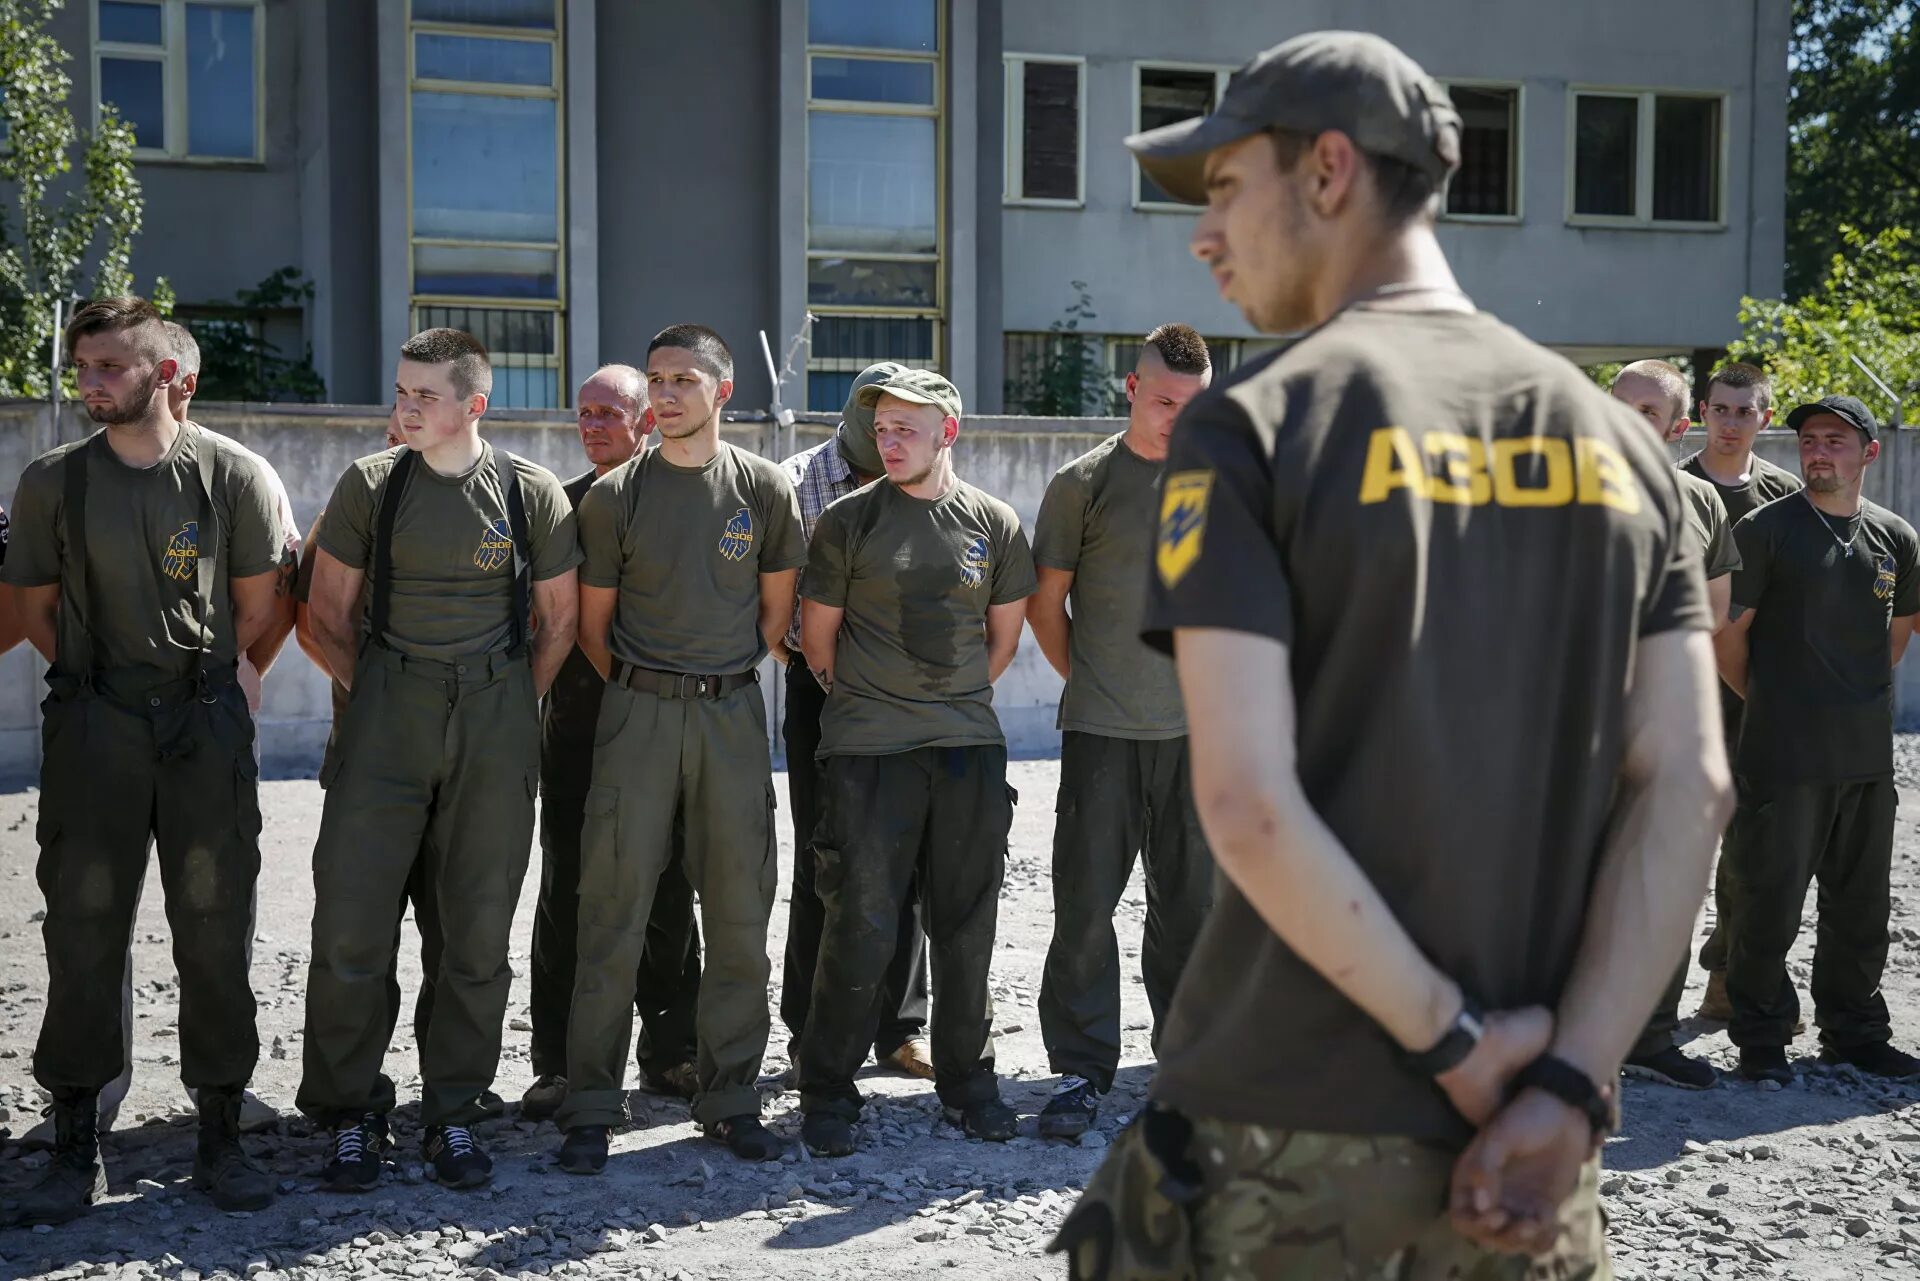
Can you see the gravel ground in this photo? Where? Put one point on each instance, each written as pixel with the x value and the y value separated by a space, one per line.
pixel 1821 1180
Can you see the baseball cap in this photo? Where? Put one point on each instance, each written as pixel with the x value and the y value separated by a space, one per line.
pixel 922 386
pixel 1351 81
pixel 854 437
pixel 1841 407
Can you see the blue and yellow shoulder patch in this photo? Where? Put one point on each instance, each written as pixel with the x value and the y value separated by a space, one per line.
pixel 1183 523
pixel 1886 578
pixel 974 562
pixel 737 539
pixel 181 556
pixel 496 547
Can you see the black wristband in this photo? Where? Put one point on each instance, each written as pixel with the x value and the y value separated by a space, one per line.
pixel 1452 1049
pixel 1573 1087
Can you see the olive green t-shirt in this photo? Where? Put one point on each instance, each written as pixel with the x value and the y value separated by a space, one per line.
pixel 1708 527
pixel 686 547
pixel 142 549
pixel 1764 483
pixel 452 590
pixel 915 578
pixel 1461 543
pixel 1096 521
pixel 1819 671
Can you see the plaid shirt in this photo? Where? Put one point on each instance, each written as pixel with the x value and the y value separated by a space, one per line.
pixel 820 476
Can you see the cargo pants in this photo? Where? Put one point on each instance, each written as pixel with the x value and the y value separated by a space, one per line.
pixel 448 753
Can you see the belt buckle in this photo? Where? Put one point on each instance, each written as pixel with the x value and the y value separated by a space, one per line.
pixel 700 687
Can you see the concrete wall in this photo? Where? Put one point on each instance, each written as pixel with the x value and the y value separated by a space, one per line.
pixel 1562 285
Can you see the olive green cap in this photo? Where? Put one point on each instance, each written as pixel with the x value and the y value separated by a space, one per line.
pixel 922 386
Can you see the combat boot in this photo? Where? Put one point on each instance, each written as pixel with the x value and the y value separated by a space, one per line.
pixel 221 1167
pixel 76 1177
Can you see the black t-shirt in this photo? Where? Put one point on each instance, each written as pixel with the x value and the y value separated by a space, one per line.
pixel 572 705
pixel 1764 483
pixel 1460 542
pixel 1820 673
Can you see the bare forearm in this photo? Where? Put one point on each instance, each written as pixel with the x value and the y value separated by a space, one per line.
pixel 1000 652
pixel 549 651
pixel 266 648
pixel 1730 657
pixel 41 622
pixel 1053 632
pixel 333 637
pixel 773 629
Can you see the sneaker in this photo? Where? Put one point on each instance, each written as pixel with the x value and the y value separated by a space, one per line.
pixel 584 1151
pixel 746 1138
pixel 221 1167
pixel 681 1081
pixel 76 1177
pixel 1876 1058
pixel 1766 1063
pixel 1071 1111
pixel 988 1119
pixel 454 1159
pixel 827 1134
pixel 1671 1067
pixel 544 1097
pixel 357 1145
pixel 1714 1006
pixel 913 1058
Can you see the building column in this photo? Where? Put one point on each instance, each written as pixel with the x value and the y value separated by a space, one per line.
pixel 579 43
pixel 396 273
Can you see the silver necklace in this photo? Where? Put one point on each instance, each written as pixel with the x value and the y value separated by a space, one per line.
pixel 1845 544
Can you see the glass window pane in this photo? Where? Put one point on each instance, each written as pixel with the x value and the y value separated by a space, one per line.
pixel 478 58
pixel 485 168
pixel 492 13
pixel 870 183
pixel 827 390
pixel 1050 131
pixel 1605 148
pixel 1166 97
pixel 1484 182
pixel 523 346
pixel 1686 159
pixel 856 282
pixel 873 80
pixel 220 81
pixel 873 24
pixel 123 23
pixel 866 339
pixel 486 272
pixel 132 86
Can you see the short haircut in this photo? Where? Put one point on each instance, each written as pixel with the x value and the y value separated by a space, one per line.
pixel 710 350
pixel 632 381
pixel 136 317
pixel 1671 381
pixel 1180 349
pixel 1739 375
pixel 183 347
pixel 472 372
pixel 1407 194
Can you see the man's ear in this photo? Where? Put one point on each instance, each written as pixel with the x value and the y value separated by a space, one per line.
pixel 477 405
pixel 949 430
pixel 168 369
pixel 1873 450
pixel 1679 428
pixel 1133 383
pixel 725 393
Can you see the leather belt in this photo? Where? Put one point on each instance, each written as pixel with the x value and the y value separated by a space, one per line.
pixel 646 680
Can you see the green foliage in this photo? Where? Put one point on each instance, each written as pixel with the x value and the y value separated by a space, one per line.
pixel 45 244
pixel 1868 305
pixel 1603 374
pixel 1065 376
pixel 237 362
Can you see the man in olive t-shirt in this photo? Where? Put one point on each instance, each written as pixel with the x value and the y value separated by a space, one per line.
pixel 1824 605
pixel 1123 754
pixel 912 610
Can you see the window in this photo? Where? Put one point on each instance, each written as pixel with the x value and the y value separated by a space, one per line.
pixel 485 134
pixel 184 74
pixel 1487 184
pixel 1046 105
pixel 875 180
pixel 1643 158
pixel 1164 95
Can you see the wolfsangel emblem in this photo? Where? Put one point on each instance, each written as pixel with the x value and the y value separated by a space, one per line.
pixel 1887 578
pixel 496 547
pixel 1183 520
pixel 182 554
pixel 974 563
pixel 737 541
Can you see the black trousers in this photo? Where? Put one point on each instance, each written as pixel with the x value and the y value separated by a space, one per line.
pixel 1713 952
pixel 1783 837
pixel 901 1012
pixel 666 987
pixel 1119 798
pixel 943 813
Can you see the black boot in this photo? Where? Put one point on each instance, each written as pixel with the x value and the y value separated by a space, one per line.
pixel 76 1177
pixel 221 1167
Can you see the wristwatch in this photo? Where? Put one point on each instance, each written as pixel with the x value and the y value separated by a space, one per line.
pixel 1453 1048
pixel 1574 1088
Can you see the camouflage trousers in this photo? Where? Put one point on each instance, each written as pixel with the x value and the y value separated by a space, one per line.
pixel 1195 1199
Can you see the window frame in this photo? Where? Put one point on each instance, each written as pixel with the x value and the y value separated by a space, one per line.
pixel 1221 73
pixel 1517 151
pixel 1647 99
pixel 1014 77
pixel 171 55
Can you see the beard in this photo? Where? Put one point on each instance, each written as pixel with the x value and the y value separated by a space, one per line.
pixel 1825 483
pixel 918 478
pixel 121 412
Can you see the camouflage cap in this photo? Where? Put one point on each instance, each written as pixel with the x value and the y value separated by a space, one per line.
pixel 922 386
pixel 854 437
pixel 1359 84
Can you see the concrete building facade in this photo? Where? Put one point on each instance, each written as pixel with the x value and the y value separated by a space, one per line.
pixel 928 179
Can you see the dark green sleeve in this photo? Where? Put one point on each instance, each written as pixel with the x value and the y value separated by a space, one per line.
pixel 825 577
pixel 255 541
pixel 1756 555
pixel 1058 531
pixel 33 558
pixel 1906 587
pixel 346 531
pixel 785 546
pixel 1013 575
pixel 598 527
pixel 1722 556
pixel 550 525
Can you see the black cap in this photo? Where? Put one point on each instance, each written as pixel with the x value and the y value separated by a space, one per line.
pixel 1359 84
pixel 1846 407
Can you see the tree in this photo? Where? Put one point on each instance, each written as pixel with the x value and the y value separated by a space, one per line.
pixel 1063 375
pixel 237 362
pixel 1853 123
pixel 1868 305
pixel 44 256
